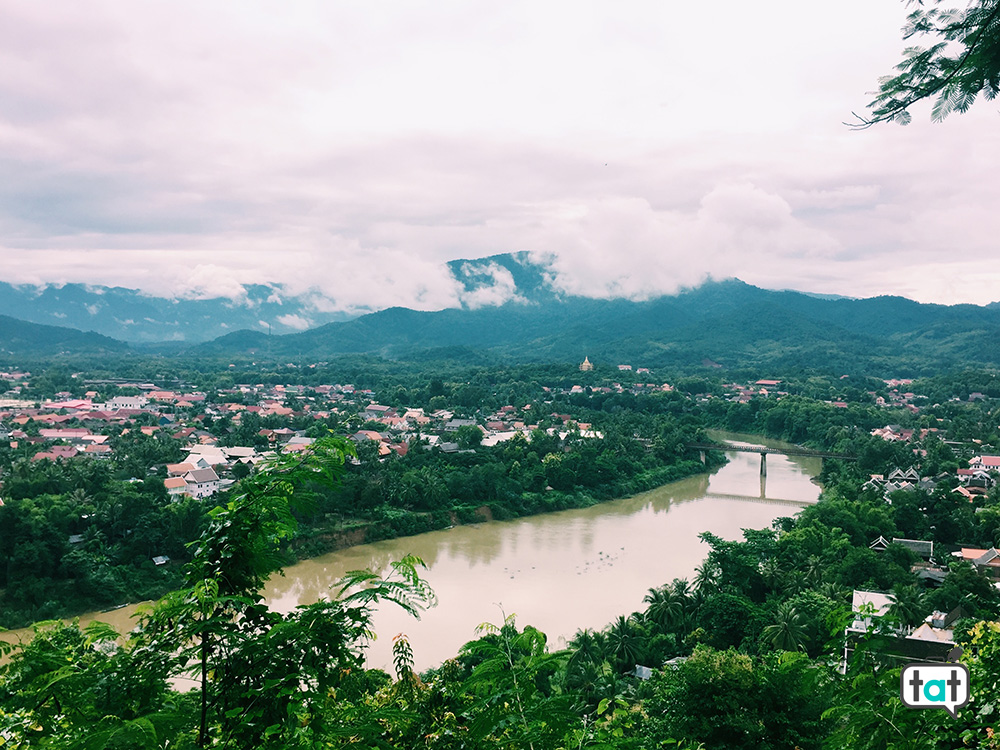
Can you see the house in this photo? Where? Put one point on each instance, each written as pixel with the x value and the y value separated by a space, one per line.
pixel 899 475
pixel 892 433
pixel 68 434
pixel 976 478
pixel 360 435
pixel 880 544
pixel 57 452
pixel 987 463
pixel 970 493
pixel 985 560
pixel 162 396
pixel 454 424
pixel 917 546
pixel 242 453
pixel 175 486
pixel 377 411
pixel 899 479
pixel 935 576
pixel 868 605
pixel 126 402
pixel 202 483
pixel 931 641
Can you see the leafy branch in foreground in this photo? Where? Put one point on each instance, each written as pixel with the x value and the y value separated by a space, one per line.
pixel 963 63
pixel 266 679
pixel 515 702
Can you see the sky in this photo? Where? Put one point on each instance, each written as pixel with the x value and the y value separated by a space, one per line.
pixel 347 150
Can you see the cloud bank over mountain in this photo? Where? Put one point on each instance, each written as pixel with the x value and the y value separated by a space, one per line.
pixel 345 155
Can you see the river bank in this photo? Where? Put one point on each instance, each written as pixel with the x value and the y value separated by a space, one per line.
pixel 559 571
pixel 315 541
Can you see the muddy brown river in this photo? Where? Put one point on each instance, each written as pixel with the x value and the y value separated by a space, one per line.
pixel 559 571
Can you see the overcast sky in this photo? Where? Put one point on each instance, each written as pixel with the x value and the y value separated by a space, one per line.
pixel 350 148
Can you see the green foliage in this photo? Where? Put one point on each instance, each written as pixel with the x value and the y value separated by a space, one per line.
pixel 962 62
pixel 725 699
pixel 510 683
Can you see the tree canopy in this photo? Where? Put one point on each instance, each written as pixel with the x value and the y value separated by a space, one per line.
pixel 962 62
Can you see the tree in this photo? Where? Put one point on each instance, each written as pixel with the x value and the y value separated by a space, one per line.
pixel 218 626
pixel 513 700
pixel 787 631
pixel 663 610
pixel 626 643
pixel 468 437
pixel 962 63
pixel 727 699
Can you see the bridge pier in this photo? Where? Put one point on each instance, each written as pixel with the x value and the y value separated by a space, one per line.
pixel 763 464
pixel 701 455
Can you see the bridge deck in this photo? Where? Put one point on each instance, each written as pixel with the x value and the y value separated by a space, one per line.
pixel 756 499
pixel 776 451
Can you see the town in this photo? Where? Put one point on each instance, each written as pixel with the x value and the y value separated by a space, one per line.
pixel 108 481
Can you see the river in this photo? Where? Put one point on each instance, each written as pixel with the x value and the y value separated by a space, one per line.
pixel 559 572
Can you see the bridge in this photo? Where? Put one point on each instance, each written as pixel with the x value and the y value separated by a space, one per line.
pixel 764 452
pixel 760 499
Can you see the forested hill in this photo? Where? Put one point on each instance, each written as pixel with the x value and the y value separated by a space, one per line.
pixel 728 322
pixel 20 338
pixel 131 315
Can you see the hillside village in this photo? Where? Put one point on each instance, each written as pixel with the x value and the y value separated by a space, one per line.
pixel 108 481
pixel 202 426
pixel 215 438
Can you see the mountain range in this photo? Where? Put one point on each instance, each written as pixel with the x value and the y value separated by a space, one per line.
pixel 727 323
pixel 130 315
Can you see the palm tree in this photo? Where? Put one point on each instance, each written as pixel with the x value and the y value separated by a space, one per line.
pixel 772 572
pixel 625 642
pixel 909 607
pixel 664 609
pixel 814 569
pixel 588 648
pixel 681 588
pixel 707 578
pixel 836 592
pixel 787 632
pixel 78 497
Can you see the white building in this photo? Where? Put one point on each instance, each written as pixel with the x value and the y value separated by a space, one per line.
pixel 202 482
pixel 126 402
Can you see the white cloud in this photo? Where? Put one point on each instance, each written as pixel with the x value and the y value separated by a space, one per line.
pixel 344 154
pixel 625 247
pixel 500 289
pixel 297 322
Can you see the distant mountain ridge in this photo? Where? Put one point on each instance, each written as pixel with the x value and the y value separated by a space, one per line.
pixel 729 322
pixel 512 311
pixel 130 315
pixel 21 338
